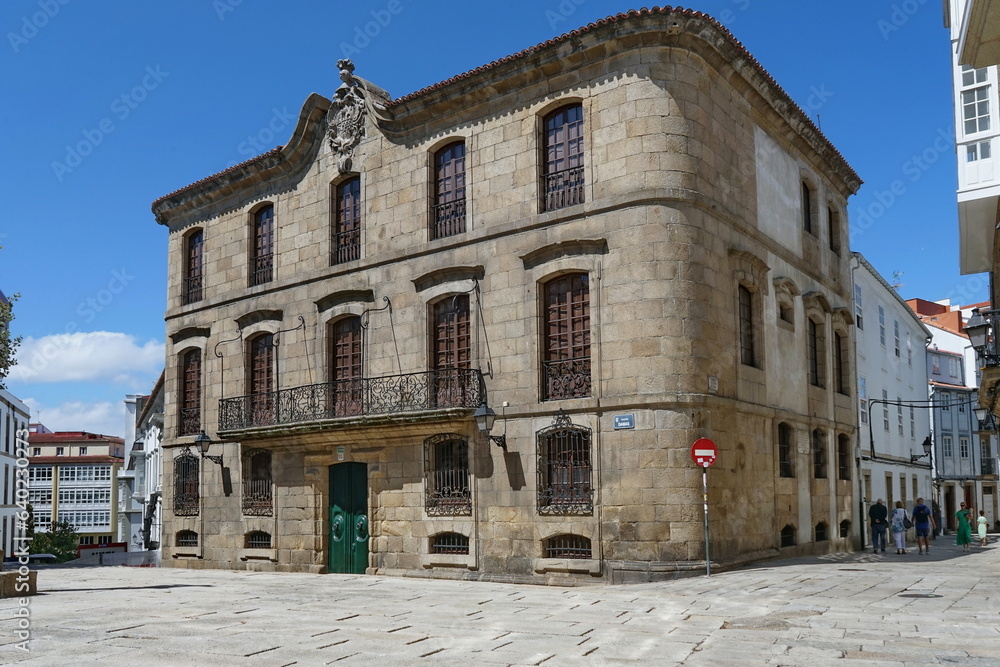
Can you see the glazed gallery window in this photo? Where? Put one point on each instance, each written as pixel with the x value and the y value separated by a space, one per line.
pixel 194 246
pixel 562 179
pixel 786 450
pixel 257 500
pixel 186 490
pixel 976 109
pixel 262 246
pixel 566 347
pixel 449 191
pixel 346 388
pixel 190 403
pixel 451 351
pixel 747 351
pixel 819 454
pixel 347 221
pixel 564 469
pixel 979 150
pixel 447 490
pixel 260 379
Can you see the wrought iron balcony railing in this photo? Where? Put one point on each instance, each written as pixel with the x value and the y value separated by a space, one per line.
pixel 988 466
pixel 449 219
pixel 392 394
pixel 563 188
pixel 566 378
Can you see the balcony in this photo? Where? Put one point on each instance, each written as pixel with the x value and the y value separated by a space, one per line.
pixel 988 466
pixel 563 188
pixel 362 397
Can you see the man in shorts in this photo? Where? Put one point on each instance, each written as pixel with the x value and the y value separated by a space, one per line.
pixel 923 523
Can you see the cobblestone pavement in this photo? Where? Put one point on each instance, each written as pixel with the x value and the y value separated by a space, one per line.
pixel 846 609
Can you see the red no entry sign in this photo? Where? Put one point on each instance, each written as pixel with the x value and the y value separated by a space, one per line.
pixel 704 452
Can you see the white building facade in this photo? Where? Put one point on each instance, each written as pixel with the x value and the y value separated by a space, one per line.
pixel 14 417
pixel 892 393
pixel 141 482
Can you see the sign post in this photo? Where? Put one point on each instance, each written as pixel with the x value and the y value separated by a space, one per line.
pixel 704 453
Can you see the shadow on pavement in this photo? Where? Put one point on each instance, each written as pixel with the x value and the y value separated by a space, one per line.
pixel 122 588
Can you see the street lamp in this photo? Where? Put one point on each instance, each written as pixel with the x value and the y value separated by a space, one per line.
pixel 485 417
pixel 202 442
pixel 926 444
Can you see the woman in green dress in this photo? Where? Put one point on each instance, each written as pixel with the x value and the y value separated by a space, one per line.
pixel 964 535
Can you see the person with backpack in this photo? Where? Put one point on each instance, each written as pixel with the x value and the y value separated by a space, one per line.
pixel 923 523
pixel 878 513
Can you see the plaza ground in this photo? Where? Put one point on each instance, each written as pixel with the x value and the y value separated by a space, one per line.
pixel 845 609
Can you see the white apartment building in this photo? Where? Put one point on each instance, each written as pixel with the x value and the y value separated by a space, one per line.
pixel 892 393
pixel 14 417
pixel 141 482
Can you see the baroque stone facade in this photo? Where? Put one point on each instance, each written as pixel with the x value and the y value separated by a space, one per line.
pixel 622 240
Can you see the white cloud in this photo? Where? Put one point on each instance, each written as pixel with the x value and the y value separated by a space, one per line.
pixel 97 355
pixel 102 417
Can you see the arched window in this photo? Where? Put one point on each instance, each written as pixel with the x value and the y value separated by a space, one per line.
pixel 449 191
pixel 822 532
pixel 260 379
pixel 345 366
pixel 786 450
pixel 449 543
pixel 190 403
pixel 562 179
pixel 447 490
pixel 186 538
pixel 257 539
pixel 845 528
pixel 262 246
pixel 564 468
pixel 451 353
pixel 819 454
pixel 347 223
pixel 566 346
pixel 257 497
pixel 194 246
pixel 788 536
pixel 568 546
pixel 187 499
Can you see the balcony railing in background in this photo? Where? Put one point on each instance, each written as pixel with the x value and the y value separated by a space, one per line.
pixel 393 394
pixel 988 466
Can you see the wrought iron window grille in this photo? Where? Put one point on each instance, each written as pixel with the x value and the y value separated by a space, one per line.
pixel 187 499
pixel 568 546
pixel 449 543
pixel 564 468
pixel 447 491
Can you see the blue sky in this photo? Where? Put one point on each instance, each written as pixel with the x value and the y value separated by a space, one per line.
pixel 107 106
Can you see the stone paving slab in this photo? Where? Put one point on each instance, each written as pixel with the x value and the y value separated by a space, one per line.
pixel 846 609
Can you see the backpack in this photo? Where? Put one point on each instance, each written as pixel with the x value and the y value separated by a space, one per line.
pixel 923 514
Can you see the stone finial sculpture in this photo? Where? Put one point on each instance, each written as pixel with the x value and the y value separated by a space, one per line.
pixel 346 119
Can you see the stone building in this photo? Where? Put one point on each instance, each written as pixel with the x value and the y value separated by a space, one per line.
pixel 619 241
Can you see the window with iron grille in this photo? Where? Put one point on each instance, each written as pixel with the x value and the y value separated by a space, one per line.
pixel 347 224
pixel 257 499
pixel 257 539
pixel 566 364
pixel 843 457
pixel 819 454
pixel 187 500
pixel 807 207
pixel 186 538
pixel 822 532
pixel 345 366
pixel 564 468
pixel 568 546
pixel 446 475
pixel 193 256
pixel 260 379
pixel 833 227
pixel 450 543
pixel 845 528
pixel 840 364
pixel 788 536
pixel 815 346
pixel 190 403
pixel 747 351
pixel 562 180
pixel 449 191
pixel 451 350
pixel 786 450
pixel 262 247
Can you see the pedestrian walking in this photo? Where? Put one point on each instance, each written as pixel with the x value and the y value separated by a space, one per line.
pixel 878 514
pixel 981 521
pixel 964 534
pixel 898 525
pixel 923 522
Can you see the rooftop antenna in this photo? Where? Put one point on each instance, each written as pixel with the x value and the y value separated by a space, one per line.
pixel 896 283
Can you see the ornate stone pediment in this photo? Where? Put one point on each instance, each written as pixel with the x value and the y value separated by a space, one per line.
pixel 346 118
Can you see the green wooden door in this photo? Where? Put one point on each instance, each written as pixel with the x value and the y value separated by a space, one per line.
pixel 349 518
